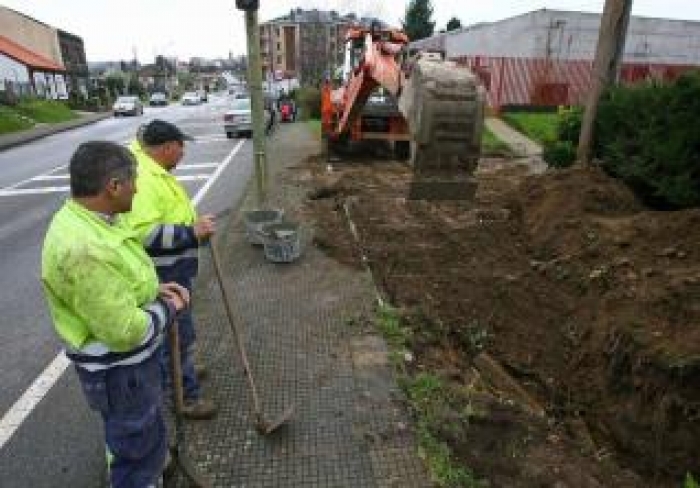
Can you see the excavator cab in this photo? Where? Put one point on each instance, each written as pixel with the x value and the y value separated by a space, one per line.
pixel 372 112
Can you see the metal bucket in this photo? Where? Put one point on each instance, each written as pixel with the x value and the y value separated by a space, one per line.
pixel 281 242
pixel 255 220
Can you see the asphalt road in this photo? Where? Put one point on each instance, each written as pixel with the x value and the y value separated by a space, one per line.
pixel 59 442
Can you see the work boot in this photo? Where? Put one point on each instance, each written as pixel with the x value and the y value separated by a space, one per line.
pixel 199 409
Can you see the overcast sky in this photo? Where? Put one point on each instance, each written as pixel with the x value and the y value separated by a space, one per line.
pixel 112 30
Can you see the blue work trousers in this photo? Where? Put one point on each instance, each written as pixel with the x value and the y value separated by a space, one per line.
pixel 130 401
pixel 187 336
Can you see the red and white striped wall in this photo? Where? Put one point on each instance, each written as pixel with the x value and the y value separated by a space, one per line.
pixel 540 81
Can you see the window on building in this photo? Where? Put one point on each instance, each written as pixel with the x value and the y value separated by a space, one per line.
pixel 279 59
pixel 279 46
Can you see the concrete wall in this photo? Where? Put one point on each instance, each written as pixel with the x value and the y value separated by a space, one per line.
pixel 573 36
pixel 30 33
pixel 515 37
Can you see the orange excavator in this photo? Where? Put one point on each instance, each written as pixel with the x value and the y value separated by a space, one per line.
pixel 430 109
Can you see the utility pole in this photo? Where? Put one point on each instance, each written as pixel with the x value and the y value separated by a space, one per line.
pixel 606 67
pixel 250 8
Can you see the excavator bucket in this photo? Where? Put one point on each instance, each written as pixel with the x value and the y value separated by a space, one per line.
pixel 444 106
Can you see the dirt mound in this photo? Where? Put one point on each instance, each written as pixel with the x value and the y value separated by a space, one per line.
pixel 587 299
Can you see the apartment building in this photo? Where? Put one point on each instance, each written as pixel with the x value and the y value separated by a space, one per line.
pixel 304 44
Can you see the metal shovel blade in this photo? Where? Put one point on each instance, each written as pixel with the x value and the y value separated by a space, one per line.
pixel 265 428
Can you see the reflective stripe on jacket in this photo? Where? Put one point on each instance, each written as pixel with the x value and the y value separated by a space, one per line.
pixel 162 216
pixel 101 288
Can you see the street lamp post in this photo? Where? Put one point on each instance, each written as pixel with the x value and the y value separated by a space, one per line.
pixel 250 8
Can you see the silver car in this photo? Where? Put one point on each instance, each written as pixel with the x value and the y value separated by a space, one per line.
pixel 127 105
pixel 238 119
pixel 191 98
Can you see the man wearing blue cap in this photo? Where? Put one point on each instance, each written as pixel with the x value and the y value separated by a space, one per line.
pixel 164 218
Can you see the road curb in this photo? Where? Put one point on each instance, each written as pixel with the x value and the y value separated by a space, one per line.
pixel 14 139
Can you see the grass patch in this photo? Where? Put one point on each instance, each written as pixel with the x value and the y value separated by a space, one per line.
pixel 45 111
pixel 11 121
pixel 389 324
pixel 493 146
pixel 542 127
pixel 430 399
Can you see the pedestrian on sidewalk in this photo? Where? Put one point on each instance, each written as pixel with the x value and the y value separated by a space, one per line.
pixel 110 312
pixel 164 218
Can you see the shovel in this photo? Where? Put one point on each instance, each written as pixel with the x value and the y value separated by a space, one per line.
pixel 262 425
pixel 180 461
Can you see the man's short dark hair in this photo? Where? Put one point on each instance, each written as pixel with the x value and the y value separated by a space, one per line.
pixel 95 163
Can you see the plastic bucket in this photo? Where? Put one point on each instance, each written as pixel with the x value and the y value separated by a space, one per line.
pixel 255 220
pixel 281 242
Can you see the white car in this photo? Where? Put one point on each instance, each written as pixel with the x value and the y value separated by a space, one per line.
pixel 238 120
pixel 127 105
pixel 191 98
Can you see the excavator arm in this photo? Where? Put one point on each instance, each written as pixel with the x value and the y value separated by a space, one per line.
pixel 442 104
pixel 378 67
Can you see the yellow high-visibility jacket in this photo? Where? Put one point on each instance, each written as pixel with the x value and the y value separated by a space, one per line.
pixel 162 216
pixel 101 288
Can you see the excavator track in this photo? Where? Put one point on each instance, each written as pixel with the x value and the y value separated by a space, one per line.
pixel 444 106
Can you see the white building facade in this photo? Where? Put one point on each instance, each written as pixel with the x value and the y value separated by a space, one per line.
pixel 546 56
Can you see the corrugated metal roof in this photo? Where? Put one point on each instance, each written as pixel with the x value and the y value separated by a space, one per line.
pixel 27 57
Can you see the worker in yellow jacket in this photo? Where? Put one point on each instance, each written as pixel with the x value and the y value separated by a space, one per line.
pixel 110 311
pixel 167 224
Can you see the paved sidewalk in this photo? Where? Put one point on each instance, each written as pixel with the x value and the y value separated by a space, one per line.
pixel 528 150
pixel 311 344
pixel 16 138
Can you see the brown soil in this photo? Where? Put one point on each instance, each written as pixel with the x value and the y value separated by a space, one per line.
pixel 590 301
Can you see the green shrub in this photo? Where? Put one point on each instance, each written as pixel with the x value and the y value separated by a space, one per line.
pixel 690 482
pixel 309 100
pixel 559 154
pixel 569 124
pixel 649 136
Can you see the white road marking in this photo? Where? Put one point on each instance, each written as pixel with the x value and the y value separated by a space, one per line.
pixel 50 177
pixel 11 192
pixel 18 412
pixel 33 191
pixel 197 165
pixel 209 139
pixel 23 407
pixel 186 167
pixel 202 191
pixel 24 182
pixel 192 177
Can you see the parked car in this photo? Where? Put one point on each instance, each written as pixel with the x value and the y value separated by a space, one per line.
pixel 191 98
pixel 158 98
pixel 238 119
pixel 127 105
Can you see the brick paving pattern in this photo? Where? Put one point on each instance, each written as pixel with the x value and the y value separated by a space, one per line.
pixel 350 428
